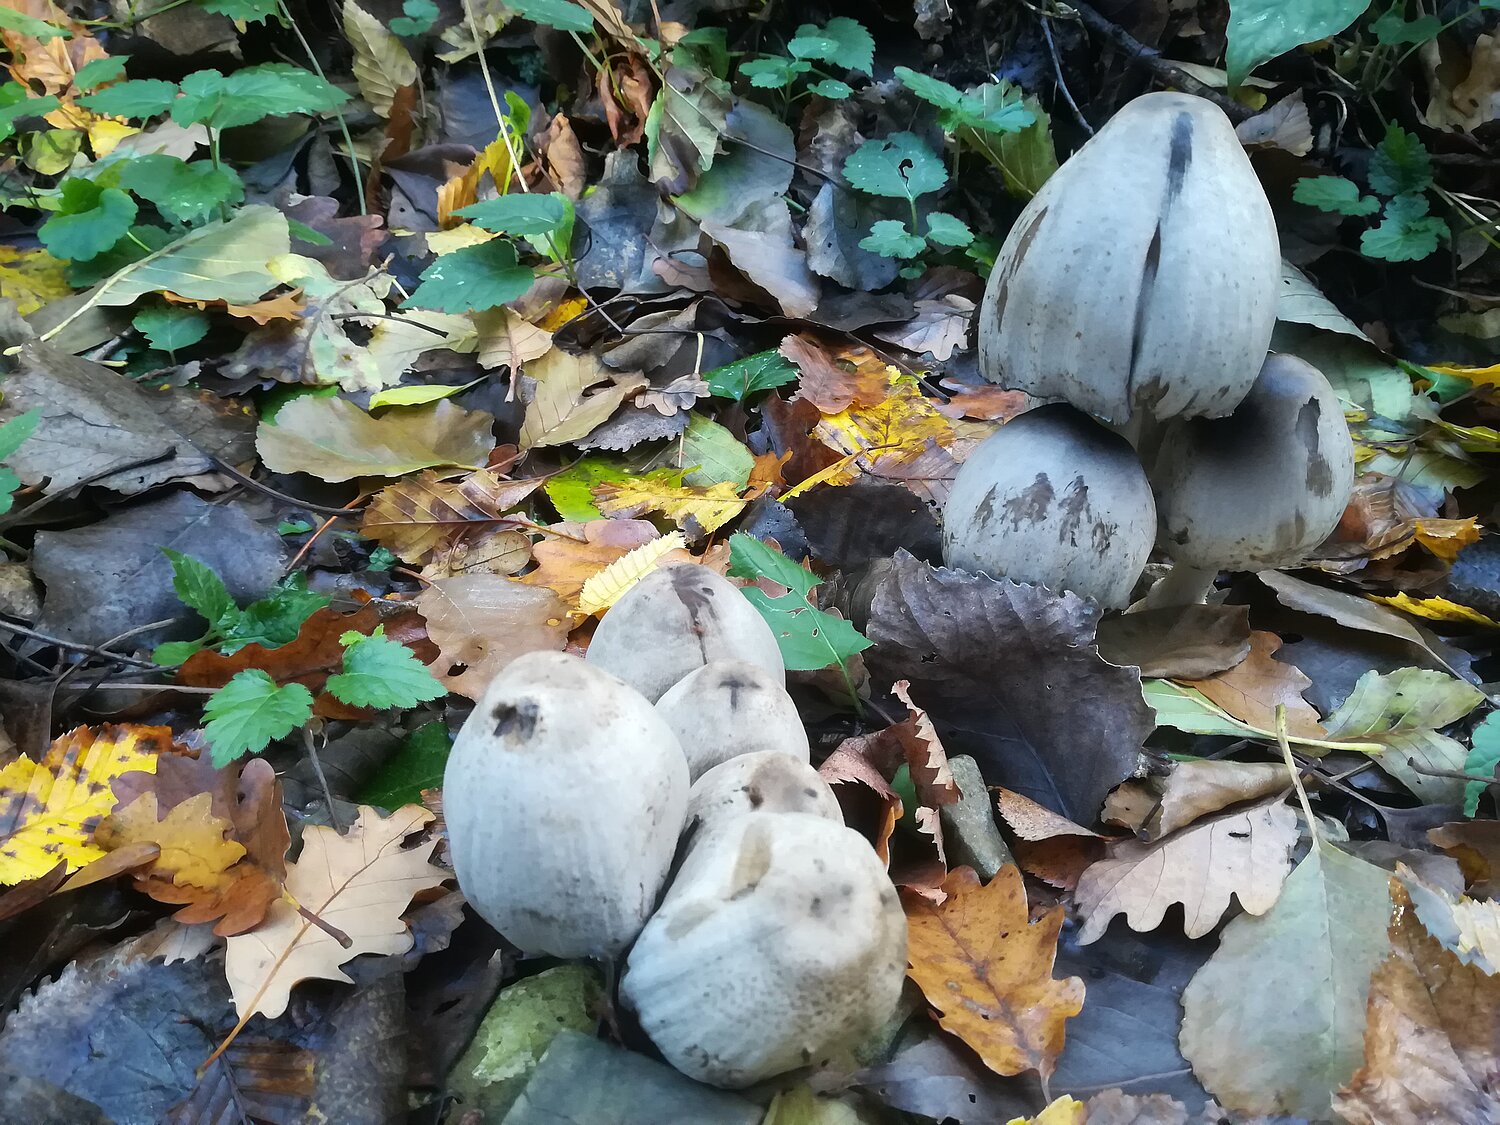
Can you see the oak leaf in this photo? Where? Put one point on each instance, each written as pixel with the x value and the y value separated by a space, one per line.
pixel 481 622
pixel 194 851
pixel 988 971
pixel 413 517
pixel 572 553
pixel 49 809
pixel 1246 853
pixel 359 884
pixel 1157 806
pixel 1253 689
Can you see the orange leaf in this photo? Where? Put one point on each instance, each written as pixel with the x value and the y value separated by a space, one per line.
pixel 1253 688
pixel 833 382
pixel 988 971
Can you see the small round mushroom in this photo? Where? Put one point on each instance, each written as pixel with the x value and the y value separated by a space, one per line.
pixel 1141 281
pixel 732 707
pixel 675 620
pixel 1053 498
pixel 1256 490
pixel 564 797
pixel 766 781
pixel 780 943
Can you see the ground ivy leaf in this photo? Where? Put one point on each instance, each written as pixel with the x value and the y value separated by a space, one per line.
pixel 519 213
pixel 1334 194
pixel 841 42
pixel 832 89
pixel 900 166
pixel 418 20
pixel 382 673
pixel 1406 232
pixel 1392 29
pixel 472 279
pixel 947 230
pixel 250 712
pixel 561 14
pixel 890 239
pixel 92 220
pixel 137 98
pixel 247 96
pixel 241 11
pixel 1400 164
pixel 773 73
pixel 170 327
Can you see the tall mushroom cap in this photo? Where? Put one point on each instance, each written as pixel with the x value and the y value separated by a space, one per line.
pixel 780 943
pixel 766 781
pixel 1053 498
pixel 675 620
pixel 1262 487
pixel 1142 278
pixel 564 796
pixel 732 707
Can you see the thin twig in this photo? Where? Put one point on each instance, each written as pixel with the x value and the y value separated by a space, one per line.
pixel 73 646
pixel 1062 82
pixel 312 754
pixel 25 514
pixel 323 509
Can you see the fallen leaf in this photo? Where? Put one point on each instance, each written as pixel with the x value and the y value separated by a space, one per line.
pixel 1466 927
pixel 1432 1035
pixel 987 969
pixel 1061 1111
pixel 1476 846
pixel 1177 642
pixel 691 508
pixel 572 553
pixel 609 585
pixel 1245 854
pixel 1252 690
pixel 359 883
pixel 1048 845
pixel 1437 609
pixel 413 517
pixel 334 440
pixel 506 339
pixel 481 622
pixel 32 278
pixel 193 851
pixel 826 384
pixel 562 404
pixel 50 808
pixel 254 1079
pixel 986 402
pixel 1115 1107
pixel 1155 806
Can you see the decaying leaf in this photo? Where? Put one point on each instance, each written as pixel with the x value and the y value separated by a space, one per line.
pixel 987 969
pixel 563 403
pixel 1152 807
pixel 689 507
pixel 1048 844
pixel 335 440
pixel 1468 928
pixel 481 622
pixel 1177 642
pixel 1253 689
pixel 574 552
pixel 413 517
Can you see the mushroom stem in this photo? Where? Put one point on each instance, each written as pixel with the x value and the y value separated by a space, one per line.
pixel 1183 585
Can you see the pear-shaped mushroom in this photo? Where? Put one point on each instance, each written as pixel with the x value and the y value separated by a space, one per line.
pixel 1053 498
pixel 564 796
pixel 1256 490
pixel 1141 280
pixel 780 943
pixel 766 781
pixel 675 620
pixel 732 707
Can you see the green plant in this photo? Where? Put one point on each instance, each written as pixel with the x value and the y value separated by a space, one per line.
pixel 12 434
pixel 1400 173
pixel 842 43
pixel 901 166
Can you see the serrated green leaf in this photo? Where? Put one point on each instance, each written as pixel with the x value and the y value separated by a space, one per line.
pixel 842 42
pixel 250 712
pixel 174 653
pixel 382 673
pixel 932 90
pixel 809 638
pixel 472 279
pixel 170 327
pixel 832 89
pixel 16 102
pixel 241 11
pixel 137 98
pixel 561 14
pixel 520 214
pixel 416 765
pixel 946 230
pixel 418 20
pixel 31 27
pixel 1400 164
pixel 762 371
pixel 900 166
pixel 1483 757
pixel 96 72
pixel 275 619
pixel 199 588
pixel 249 95
pixel 1259 30
pixel 890 239
pixel 186 193
pixel 92 220
pixel 1406 232
pixel 17 430
pixel 1334 194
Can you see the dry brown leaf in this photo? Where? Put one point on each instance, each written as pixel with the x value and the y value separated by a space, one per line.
pixel 1432 1035
pixel 574 552
pixel 414 517
pixel 359 884
pixel 562 156
pixel 506 339
pixel 986 402
pixel 481 622
pixel 834 381
pixel 1048 845
pixel 1177 642
pixel 262 1079
pixel 1246 854
pixel 1116 1107
pixel 869 804
pixel 1155 806
pixel 1253 688
pixel 987 969
pixel 1476 846
pixel 569 396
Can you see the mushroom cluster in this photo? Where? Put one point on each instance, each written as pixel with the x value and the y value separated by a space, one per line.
pixel 1136 293
pixel 780 942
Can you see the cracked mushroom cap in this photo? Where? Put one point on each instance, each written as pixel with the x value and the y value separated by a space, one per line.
pixel 732 707
pixel 1142 278
pixel 1056 499
pixel 1261 488
pixel 564 796
pixel 780 944
pixel 674 621
pixel 767 781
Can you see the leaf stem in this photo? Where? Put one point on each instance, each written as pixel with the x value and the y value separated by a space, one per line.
pixel 359 178
pixel 1286 754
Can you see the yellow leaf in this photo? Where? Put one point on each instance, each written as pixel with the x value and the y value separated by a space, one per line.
pixel 463 189
pixel 194 851
pixel 1064 1111
pixel 106 132
pixel 1437 609
pixel 605 588
pixel 710 508
pixel 458 238
pixel 49 809
pixel 898 428
pixel 1479 376
pixel 564 312
pixel 1446 538
pixel 31 278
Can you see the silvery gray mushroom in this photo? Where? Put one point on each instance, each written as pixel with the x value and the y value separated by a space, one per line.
pixel 1056 499
pixel 564 796
pixel 780 944
pixel 1256 490
pixel 732 707
pixel 766 781
pixel 674 621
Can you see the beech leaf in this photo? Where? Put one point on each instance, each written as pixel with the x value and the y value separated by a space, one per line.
pixel 335 440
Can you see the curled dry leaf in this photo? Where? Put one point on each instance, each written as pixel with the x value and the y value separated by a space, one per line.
pixel 1154 806
pixel 1048 845
pixel 481 622
pixel 835 381
pixel 987 969
pixel 1476 846
pixel 1466 927
pixel 1245 854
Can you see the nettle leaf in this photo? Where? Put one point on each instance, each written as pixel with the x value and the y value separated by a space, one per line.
pixel 382 673
pixel 1482 759
pixel 1334 194
pixel 186 193
pixel 276 619
pixel 948 230
pixel 1400 164
pixel 841 42
pixel 418 20
pixel 250 712
pixel 992 108
pixel 96 72
pixel 900 166
pixel 808 637
pixel 890 239
pixel 241 11
pixel 247 96
pixel 31 27
pixel 472 279
pixel 1406 231
pixel 774 73
pixel 933 91
pixel 137 98
pixel 170 327
pixel 92 219
pixel 520 214
pixel 561 14
pixel 199 588
pixel 762 371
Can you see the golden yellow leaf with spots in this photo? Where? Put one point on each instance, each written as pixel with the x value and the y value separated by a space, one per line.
pixel 1437 609
pixel 606 587
pixel 903 437
pixel 710 508
pixel 194 852
pixel 1063 1111
pixel 562 313
pixel 49 809
pixel 31 278
pixel 1446 538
